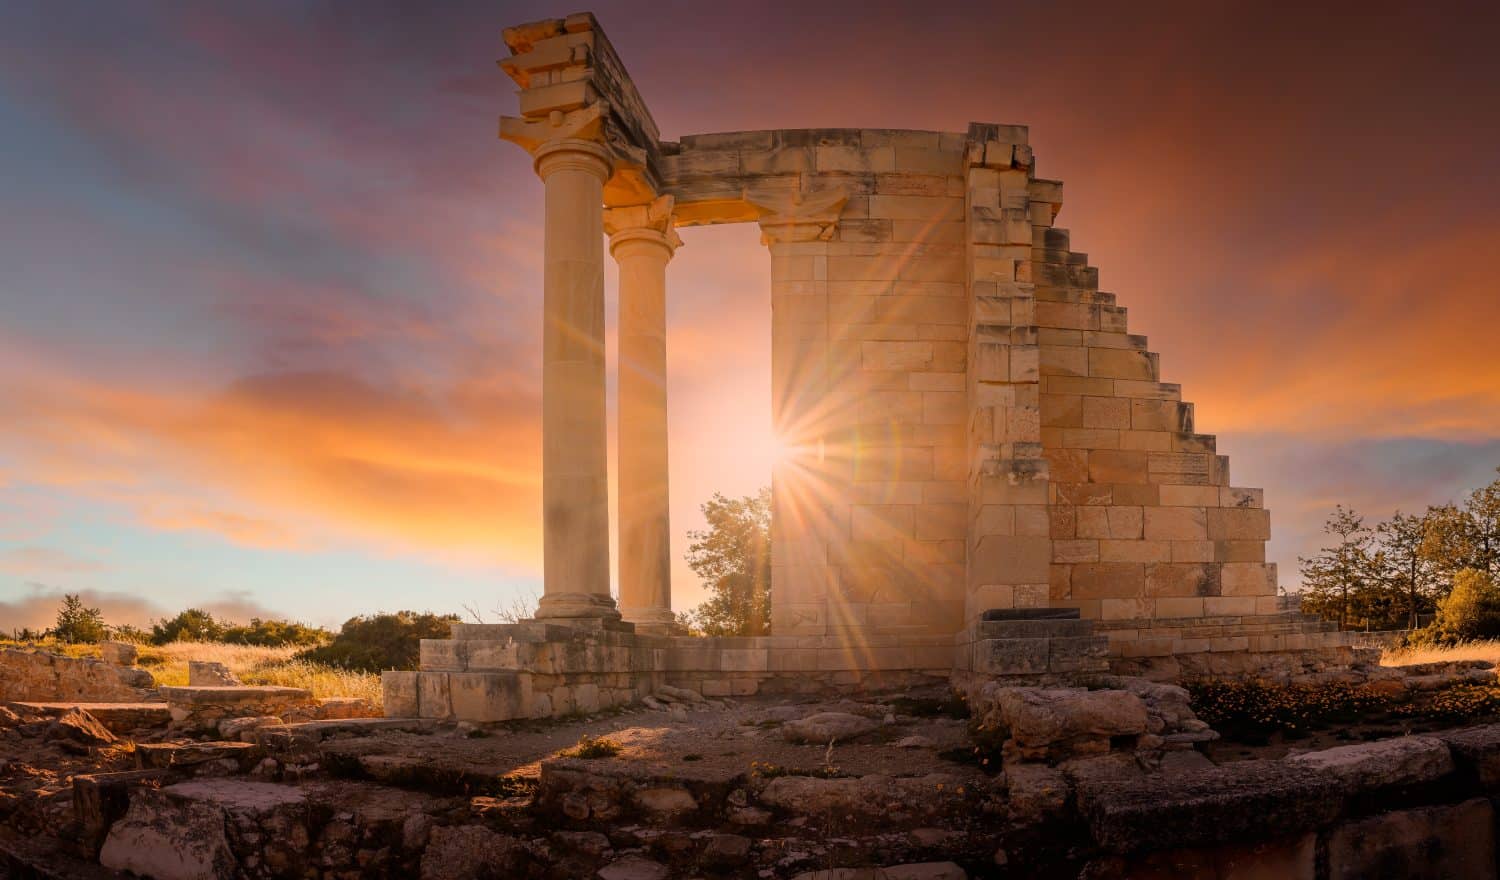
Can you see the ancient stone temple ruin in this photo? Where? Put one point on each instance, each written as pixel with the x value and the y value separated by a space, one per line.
pixel 987 475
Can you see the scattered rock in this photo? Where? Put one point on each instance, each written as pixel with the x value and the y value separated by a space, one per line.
pixel 827 727
pixel 78 726
pixel 680 694
pixel 653 703
pixel 206 673
pixel 914 742
pixel 590 843
pixel 236 728
pixel 726 850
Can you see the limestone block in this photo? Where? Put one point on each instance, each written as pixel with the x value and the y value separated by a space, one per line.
pixel 1245 498
pixel 118 653
pixel 1150 441
pixel 1117 363
pixel 1070 551
pixel 1239 524
pixel 1108 580
pixel 1178 580
pixel 1180 467
pixel 399 694
pixel 1064 360
pixel 1195 551
pixel 1189 496
pixel 1396 762
pixel 442 655
pixel 1090 438
pixel 1175 524
pixel 1012 559
pixel 1017 656
pixel 433 695
pixel 1249 579
pixel 1186 607
pixel 1117 466
pixel 1135 551
pixel 1106 412
pixel 1126 609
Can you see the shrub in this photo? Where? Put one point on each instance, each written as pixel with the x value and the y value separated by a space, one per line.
pixel 1471 610
pixel 593 747
pixel 77 623
pixel 276 633
pixel 1239 708
pixel 192 625
pixel 381 641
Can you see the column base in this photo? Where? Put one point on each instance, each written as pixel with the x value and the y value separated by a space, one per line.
pixel 561 607
pixel 650 621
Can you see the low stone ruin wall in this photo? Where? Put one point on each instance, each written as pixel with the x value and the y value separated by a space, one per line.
pixel 42 676
pixel 533 669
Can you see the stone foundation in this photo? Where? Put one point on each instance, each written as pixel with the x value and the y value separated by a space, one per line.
pixel 47 677
pixel 539 669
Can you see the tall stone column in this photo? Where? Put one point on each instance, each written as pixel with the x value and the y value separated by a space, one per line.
pixel 575 479
pixel 642 240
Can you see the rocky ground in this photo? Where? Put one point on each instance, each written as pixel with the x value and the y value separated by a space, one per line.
pixel 1009 786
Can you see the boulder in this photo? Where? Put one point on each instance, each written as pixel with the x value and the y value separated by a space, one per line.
pixel 118 653
pixel 1062 722
pixel 874 798
pixel 164 840
pixel 1036 792
pixel 825 727
pixel 78 726
pixel 1408 760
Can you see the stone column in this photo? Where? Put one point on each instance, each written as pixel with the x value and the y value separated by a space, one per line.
pixel 642 240
pixel 575 479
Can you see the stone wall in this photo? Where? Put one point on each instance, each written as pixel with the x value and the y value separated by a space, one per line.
pixel 46 677
pixel 869 322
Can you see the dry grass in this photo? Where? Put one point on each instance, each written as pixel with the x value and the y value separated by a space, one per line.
pixel 168 664
pixel 1486 650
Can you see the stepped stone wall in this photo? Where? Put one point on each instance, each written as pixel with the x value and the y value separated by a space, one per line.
pixel 47 677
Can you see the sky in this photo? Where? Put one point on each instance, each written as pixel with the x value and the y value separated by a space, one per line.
pixel 270 285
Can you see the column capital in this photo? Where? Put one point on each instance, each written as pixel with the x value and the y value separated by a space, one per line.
pixel 575 154
pixel 800 217
pixel 651 222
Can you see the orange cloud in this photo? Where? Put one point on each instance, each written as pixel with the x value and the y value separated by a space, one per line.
pixel 295 454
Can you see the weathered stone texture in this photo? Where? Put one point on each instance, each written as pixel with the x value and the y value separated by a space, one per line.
pixel 45 677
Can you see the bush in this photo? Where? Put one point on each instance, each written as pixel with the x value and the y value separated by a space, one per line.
pixel 1471 610
pixel 592 747
pixel 192 625
pixel 276 634
pixel 381 641
pixel 77 623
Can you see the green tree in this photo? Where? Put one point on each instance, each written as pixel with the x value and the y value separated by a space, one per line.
pixel 382 641
pixel 1341 571
pixel 1449 543
pixel 733 557
pixel 1404 564
pixel 1483 513
pixel 191 625
pixel 77 623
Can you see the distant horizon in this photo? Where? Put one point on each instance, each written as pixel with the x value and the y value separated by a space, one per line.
pixel 271 342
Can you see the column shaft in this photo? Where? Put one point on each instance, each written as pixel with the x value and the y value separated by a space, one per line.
pixel 575 480
pixel 645 530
